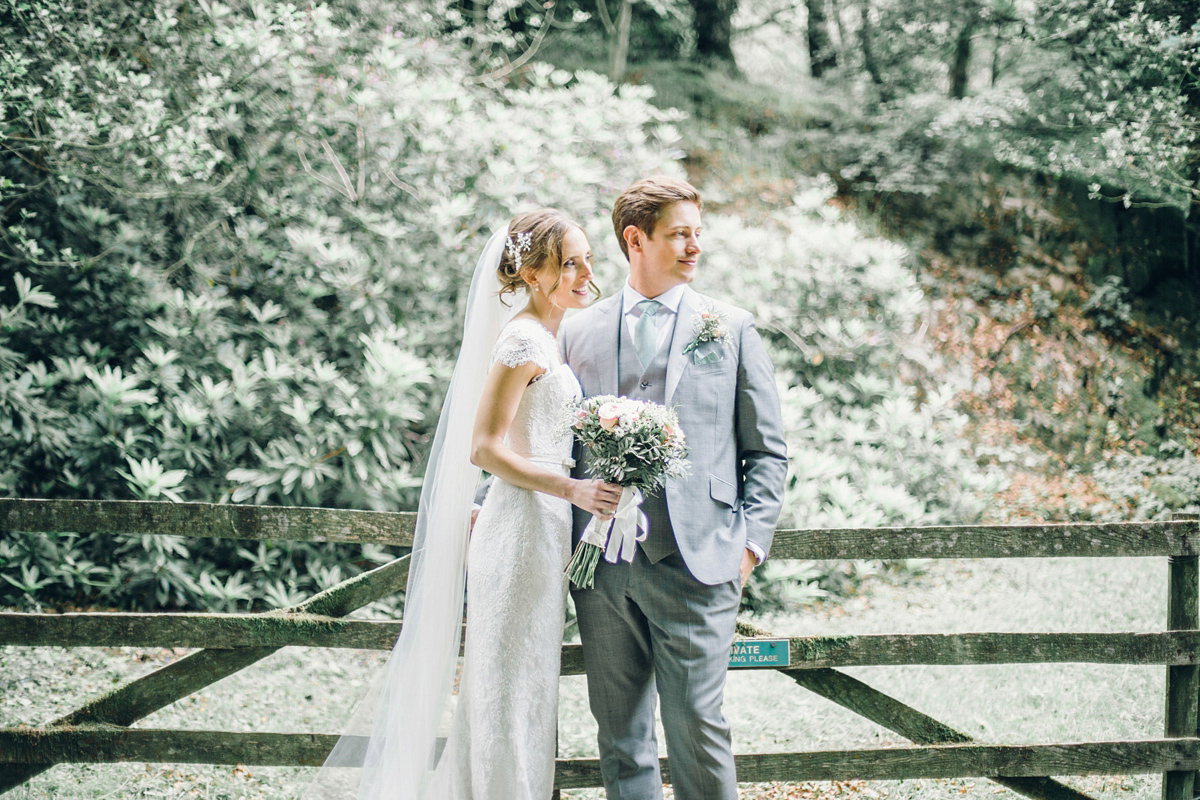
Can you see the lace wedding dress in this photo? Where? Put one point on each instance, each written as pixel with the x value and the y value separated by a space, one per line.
pixel 502 740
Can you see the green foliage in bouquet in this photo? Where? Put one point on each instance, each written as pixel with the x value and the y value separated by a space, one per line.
pixel 630 442
pixel 234 245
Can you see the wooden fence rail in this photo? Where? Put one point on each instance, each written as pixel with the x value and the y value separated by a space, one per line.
pixel 99 744
pixel 225 643
pixel 231 631
pixel 1176 538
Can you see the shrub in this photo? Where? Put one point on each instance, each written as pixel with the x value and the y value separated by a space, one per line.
pixel 873 435
pixel 249 229
pixel 874 438
pixel 1150 486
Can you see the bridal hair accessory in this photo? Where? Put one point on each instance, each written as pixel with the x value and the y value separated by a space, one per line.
pixel 634 444
pixel 709 335
pixel 523 244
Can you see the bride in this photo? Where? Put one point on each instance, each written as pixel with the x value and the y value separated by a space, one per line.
pixel 510 380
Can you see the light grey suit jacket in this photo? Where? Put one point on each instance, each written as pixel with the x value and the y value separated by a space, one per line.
pixel 729 412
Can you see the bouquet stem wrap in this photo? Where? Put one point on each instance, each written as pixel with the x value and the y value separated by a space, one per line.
pixel 628 527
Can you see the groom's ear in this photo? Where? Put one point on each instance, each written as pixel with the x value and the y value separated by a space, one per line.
pixel 633 237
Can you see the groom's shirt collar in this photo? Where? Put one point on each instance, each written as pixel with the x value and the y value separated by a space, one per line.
pixel 671 298
pixel 664 320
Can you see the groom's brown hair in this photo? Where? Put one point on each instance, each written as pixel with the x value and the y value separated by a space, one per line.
pixel 642 204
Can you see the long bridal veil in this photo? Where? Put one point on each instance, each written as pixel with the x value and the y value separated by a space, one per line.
pixel 417 685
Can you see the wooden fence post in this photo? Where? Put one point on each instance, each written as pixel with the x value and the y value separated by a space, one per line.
pixel 1183 682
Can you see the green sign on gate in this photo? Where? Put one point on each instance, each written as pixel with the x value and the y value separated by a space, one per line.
pixel 760 653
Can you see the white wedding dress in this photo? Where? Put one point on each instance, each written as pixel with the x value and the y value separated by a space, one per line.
pixel 502 740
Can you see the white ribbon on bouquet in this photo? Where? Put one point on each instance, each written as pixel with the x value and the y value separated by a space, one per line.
pixel 625 529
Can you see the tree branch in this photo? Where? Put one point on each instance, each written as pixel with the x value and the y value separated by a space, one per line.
pixel 605 18
pixel 407 188
pixel 337 165
pixel 362 154
pixel 770 19
pixel 538 38
pixel 321 179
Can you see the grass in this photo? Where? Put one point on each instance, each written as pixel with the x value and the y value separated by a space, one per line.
pixel 297 689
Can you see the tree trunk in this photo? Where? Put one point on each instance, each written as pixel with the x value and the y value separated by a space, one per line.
pixel 960 67
pixel 713 26
pixel 843 41
pixel 1191 243
pixel 479 21
pixel 996 57
pixel 821 55
pixel 868 55
pixel 619 52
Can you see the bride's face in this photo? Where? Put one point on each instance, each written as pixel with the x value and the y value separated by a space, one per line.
pixel 575 274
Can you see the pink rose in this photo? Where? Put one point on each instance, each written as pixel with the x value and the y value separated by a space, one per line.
pixel 610 415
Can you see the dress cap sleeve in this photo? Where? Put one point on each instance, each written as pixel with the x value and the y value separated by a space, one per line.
pixel 524 341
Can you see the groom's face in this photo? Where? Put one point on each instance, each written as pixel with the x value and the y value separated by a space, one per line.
pixel 669 256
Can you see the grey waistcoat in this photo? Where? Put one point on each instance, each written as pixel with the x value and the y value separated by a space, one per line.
pixel 649 384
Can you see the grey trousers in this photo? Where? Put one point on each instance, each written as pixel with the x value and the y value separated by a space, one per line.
pixel 653 626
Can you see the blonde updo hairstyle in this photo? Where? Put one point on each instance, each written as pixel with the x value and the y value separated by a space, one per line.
pixel 543 231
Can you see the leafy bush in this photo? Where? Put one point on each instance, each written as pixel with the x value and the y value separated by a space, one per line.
pixel 873 435
pixel 1109 305
pixel 1151 486
pixel 235 244
pixel 1100 93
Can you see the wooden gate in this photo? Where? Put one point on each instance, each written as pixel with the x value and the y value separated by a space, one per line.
pixel 98 732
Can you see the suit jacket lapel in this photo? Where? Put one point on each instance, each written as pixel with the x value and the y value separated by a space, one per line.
pixel 606 343
pixel 676 358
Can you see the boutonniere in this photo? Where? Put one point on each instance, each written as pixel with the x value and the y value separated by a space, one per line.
pixel 709 335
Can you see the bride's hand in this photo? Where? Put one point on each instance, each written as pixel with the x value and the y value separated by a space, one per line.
pixel 595 497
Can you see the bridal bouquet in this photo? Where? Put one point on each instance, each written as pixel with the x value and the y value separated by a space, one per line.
pixel 636 445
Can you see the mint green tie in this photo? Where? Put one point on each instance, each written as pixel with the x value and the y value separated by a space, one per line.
pixel 645 333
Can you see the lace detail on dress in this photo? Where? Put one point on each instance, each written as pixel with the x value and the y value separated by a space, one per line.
pixel 523 341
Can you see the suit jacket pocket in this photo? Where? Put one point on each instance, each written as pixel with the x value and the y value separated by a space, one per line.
pixel 722 491
pixel 708 368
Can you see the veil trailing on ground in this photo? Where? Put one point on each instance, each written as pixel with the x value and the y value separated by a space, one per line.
pixel 409 704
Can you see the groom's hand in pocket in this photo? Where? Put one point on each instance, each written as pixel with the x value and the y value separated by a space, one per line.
pixel 749 562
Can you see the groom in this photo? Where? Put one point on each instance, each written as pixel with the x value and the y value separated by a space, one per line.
pixel 664 623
